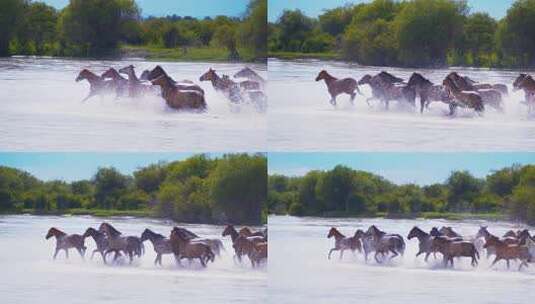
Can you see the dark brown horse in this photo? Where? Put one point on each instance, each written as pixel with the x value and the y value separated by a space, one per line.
pixel 100 240
pixel 525 82
pixel 255 251
pixel 491 249
pixel 180 99
pixel 341 242
pixel 337 86
pixel 97 85
pixel 184 248
pixel 135 87
pixel 428 91
pixel 508 252
pixel 120 83
pixel 130 245
pixel 66 241
pixel 181 85
pixel 463 99
pixel 231 231
pixel 489 96
pixel 451 249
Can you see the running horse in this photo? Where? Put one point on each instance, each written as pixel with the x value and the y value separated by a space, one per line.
pixel 256 252
pixel 160 243
pixel 428 91
pixel 250 74
pixel 452 248
pixel 491 249
pixel 135 87
pixel 368 243
pixel 184 248
pixel 508 252
pixel 130 245
pixel 66 241
pixel 463 99
pixel 489 96
pixel 231 231
pixel 525 82
pixel 246 231
pixel 97 85
pixel 385 243
pixel 119 82
pixel 386 87
pixel 182 85
pixel 425 242
pixel 337 86
pixel 100 240
pixel 341 242
pixel 180 99
pixel 223 84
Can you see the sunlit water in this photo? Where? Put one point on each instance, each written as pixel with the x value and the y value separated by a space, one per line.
pixel 299 271
pixel 301 117
pixel 29 275
pixel 41 109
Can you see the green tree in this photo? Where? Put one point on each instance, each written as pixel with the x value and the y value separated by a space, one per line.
pixel 516 34
pixel 110 184
pixel 254 28
pixel 11 13
pixel 463 189
pixel 294 28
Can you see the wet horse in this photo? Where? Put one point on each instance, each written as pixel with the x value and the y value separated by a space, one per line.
pixel 135 87
pixel 184 248
pixel 337 86
pixel 508 252
pixel 160 243
pixel 181 85
pixel 130 245
pixel 425 241
pixel 180 99
pixel 249 74
pixel 234 235
pixel 341 242
pixel 488 95
pixel 256 252
pixel 66 241
pixel 463 99
pixel 385 243
pixel 223 84
pixel 100 240
pixel 246 231
pixel 491 249
pixel 525 82
pixel 385 89
pixel 428 91
pixel 97 85
pixel 451 248
pixel 120 83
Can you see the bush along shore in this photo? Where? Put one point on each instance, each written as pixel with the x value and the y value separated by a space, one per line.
pixel 506 194
pixel 200 189
pixel 411 33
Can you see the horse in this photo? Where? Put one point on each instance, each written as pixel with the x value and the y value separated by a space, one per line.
pixel 97 85
pixel 450 249
pixel 119 81
pixel 246 231
pixel 337 86
pixel 100 240
pixel 385 88
pixel 425 241
pixel 502 88
pixel 160 243
pixel 184 248
pixel 130 245
pixel 179 99
pixel 463 99
pixel 368 244
pixel 385 243
pixel 135 87
pixel 342 242
pixel 508 252
pixel 256 252
pixel 510 233
pixel 428 91
pixel 249 74
pixel 234 234
pixel 525 82
pixel 66 241
pixel 484 233
pixel 489 96
pixel 181 85
pixel 449 232
pixel 229 88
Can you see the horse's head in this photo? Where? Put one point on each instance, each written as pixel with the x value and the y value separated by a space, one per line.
pixel 110 73
pixel 332 232
pixel 127 70
pixel 145 75
pixel 53 232
pixel 90 232
pixel 228 230
pixel 415 231
pixel 84 74
pixel 146 234
pixel 366 79
pixel 434 232
pixel 374 231
pixel 417 79
pixel 359 234
pixel 482 232
pixel 520 82
pixel 108 229
pixel 156 72
pixel 209 75
pixel 323 75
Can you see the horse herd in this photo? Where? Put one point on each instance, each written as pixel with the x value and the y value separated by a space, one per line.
pixel 181 243
pixel 455 91
pixel 512 246
pixel 179 95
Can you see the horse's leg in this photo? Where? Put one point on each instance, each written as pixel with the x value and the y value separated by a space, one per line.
pixel 507 263
pixel 368 101
pixel 330 251
pixel 452 109
pixel 81 252
pixel 352 97
pixel 496 259
pixel 394 252
pixel 56 253
pixel 93 253
pixel 427 256
pixel 342 253
pixel 91 94
pixel 103 256
pixel 157 258
pixel 203 263
pixel 66 253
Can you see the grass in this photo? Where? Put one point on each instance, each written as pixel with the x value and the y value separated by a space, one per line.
pixel 92 212
pixel 181 54
pixel 299 55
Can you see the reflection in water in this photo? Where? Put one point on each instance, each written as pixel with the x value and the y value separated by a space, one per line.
pixel 28 271
pixel 299 271
pixel 301 117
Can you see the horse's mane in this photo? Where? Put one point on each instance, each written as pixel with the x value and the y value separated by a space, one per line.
pixel 112 229
pixel 156 235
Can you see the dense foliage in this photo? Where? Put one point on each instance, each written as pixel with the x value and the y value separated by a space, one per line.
pixel 99 27
pixel 411 33
pixel 199 189
pixel 343 191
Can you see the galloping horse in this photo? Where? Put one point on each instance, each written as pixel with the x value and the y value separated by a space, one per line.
pixel 428 91
pixel 489 96
pixel 249 74
pixel 180 99
pixel 502 88
pixel 229 88
pixel 462 98
pixel 508 252
pixel 450 249
pixel 425 242
pixel 183 248
pixel 246 231
pixel 119 81
pixel 257 252
pixel 386 87
pixel 130 245
pixel 160 243
pixel 368 243
pixel 342 242
pixel 66 241
pixel 385 243
pixel 100 240
pixel 234 235
pixel 182 85
pixel 491 249
pixel 135 87
pixel 337 86
pixel 525 82
pixel 97 85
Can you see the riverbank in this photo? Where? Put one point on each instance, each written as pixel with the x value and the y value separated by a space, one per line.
pixel 300 55
pixel 206 54
pixel 451 216
pixel 146 213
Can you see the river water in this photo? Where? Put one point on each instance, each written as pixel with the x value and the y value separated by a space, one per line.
pixel 29 275
pixel 41 109
pixel 299 271
pixel 302 119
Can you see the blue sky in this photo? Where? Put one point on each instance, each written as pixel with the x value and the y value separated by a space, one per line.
pixel 313 8
pixel 194 8
pixel 76 166
pixel 419 168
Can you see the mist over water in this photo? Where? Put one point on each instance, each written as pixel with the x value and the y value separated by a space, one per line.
pixel 301 117
pixel 30 275
pixel 299 271
pixel 42 109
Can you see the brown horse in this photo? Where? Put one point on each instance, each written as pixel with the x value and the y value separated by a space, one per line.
pixel 386 243
pixel 66 241
pixel 428 91
pixel 130 245
pixel 160 243
pixel 230 89
pixel 337 86
pixel 246 231
pixel 463 99
pixel 525 82
pixel 231 231
pixel 386 88
pixel 97 85
pixel 489 96
pixel 259 253
pixel 255 251
pixel 508 252
pixel 451 249
pixel 502 88
pixel 484 233
pixel 135 87
pixel 425 242
pixel 100 240
pixel 178 99
pixel 341 242
pixel 182 85
pixel 120 83
pixel 184 248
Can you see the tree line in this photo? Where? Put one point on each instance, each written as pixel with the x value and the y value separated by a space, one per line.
pixel 229 189
pixel 412 33
pixel 343 191
pixel 93 28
